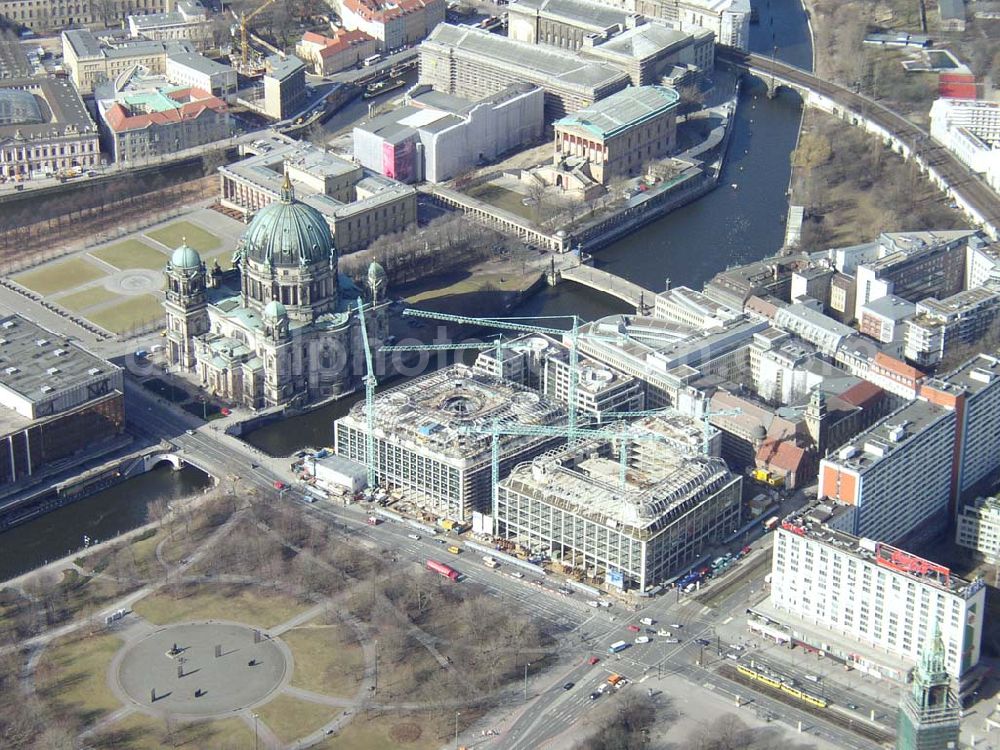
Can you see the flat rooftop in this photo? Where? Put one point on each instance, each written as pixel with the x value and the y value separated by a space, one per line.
pixel 658 345
pixel 197 62
pixel 661 475
pixel 889 434
pixel 36 363
pixel 891 307
pixel 623 110
pixel 812 522
pixel 958 303
pixel 440 414
pixel 533 61
pixel 975 374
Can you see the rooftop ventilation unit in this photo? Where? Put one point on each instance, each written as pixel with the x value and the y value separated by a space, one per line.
pixel 47 389
pixel 52 371
pixel 41 342
pixel 10 370
pixel 93 371
pixel 8 324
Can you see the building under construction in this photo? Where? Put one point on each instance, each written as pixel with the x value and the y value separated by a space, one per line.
pixel 432 439
pixel 571 503
pixel 543 363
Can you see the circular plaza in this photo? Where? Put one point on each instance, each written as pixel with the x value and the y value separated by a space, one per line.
pixel 199 670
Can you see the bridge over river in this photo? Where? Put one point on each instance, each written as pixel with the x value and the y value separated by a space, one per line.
pixel 966 188
pixel 640 298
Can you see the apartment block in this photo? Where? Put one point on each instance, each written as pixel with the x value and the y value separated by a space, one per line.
pixel 870 604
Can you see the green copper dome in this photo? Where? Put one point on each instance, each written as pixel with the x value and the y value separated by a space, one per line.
pixel 287 233
pixel 185 257
pixel 275 309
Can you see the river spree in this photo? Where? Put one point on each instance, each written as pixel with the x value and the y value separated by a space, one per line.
pixel 742 220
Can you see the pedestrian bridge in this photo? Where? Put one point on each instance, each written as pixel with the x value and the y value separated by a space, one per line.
pixel 627 291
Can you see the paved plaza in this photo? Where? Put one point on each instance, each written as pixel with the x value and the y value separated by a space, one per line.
pixel 200 670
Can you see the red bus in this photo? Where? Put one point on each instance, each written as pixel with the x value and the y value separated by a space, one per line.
pixel 442 569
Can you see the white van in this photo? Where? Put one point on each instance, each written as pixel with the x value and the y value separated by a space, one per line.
pixel 371 60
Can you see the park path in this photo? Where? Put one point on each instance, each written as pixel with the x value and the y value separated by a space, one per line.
pixel 261 731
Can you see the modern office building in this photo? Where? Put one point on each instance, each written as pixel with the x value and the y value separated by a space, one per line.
pixel 665 355
pixel 978 528
pixel 941 325
pixel 929 713
pixel 356 203
pixel 885 320
pixel 868 603
pixel 896 477
pixel 284 86
pixel 686 306
pixel 148 117
pixel 474 64
pixel 394 23
pixel 54 15
pixel 432 439
pixel 620 135
pixel 58 400
pixel 290 333
pixel 673 505
pixel 196 71
pixel 542 363
pixel 44 129
pixel 914 266
pixel 436 136
pixel 188 21
pixel 331 54
pixel 973 391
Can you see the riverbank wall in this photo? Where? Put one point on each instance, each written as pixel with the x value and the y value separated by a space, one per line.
pixel 30 505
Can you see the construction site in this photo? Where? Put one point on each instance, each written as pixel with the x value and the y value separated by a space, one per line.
pixel 627 510
pixel 432 437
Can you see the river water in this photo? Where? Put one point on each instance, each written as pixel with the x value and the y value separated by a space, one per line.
pixel 726 227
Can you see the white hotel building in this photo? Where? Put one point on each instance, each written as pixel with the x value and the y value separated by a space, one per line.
pixel 970 129
pixel 867 603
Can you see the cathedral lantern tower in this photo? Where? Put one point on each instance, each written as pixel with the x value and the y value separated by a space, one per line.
pixel 185 305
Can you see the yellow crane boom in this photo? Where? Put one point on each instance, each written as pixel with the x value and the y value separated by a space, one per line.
pixel 245 19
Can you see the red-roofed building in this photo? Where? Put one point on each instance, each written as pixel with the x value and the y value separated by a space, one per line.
pixel 147 122
pixel 328 55
pixel 394 23
pixel 785 459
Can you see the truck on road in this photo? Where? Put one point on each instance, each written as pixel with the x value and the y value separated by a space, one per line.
pixel 441 569
pixel 490 562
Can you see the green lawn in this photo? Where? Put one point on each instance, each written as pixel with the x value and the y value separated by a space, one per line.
pixel 385 732
pixel 323 663
pixel 291 718
pixel 133 312
pixel 58 277
pixel 72 676
pixel 141 732
pixel 132 254
pixel 247 605
pixel 179 232
pixel 86 298
pixel 480 282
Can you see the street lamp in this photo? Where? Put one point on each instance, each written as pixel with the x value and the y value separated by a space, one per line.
pixel 526 665
pixel 255 746
pixel 457 714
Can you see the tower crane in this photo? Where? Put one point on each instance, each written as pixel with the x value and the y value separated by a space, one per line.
pixel 245 19
pixel 622 435
pixel 370 383
pixel 513 324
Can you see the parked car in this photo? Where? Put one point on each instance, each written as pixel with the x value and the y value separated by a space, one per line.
pixel 568 686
